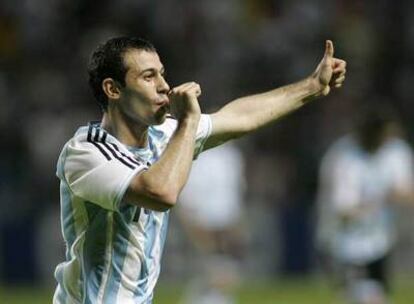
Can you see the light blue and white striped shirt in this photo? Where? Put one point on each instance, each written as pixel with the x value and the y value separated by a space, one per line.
pixel 114 249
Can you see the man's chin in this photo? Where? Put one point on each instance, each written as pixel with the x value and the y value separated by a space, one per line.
pixel 160 118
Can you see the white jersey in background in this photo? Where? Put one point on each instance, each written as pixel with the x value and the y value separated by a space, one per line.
pixel 214 193
pixel 114 248
pixel 353 178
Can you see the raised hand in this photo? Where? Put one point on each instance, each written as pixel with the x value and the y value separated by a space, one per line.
pixel 330 72
pixel 183 100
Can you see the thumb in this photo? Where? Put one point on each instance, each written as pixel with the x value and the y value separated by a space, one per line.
pixel 329 49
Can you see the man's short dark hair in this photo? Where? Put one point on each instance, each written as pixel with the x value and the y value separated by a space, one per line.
pixel 107 61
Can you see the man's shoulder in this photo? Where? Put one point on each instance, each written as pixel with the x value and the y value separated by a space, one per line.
pixel 76 143
pixel 93 138
pixel 91 146
pixel 81 134
pixel 93 133
pixel 84 135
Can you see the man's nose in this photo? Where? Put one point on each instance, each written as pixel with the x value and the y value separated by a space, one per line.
pixel 163 86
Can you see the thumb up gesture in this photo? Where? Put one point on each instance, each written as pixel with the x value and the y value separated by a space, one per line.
pixel 330 72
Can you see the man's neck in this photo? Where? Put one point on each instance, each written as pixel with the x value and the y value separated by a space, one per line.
pixel 127 131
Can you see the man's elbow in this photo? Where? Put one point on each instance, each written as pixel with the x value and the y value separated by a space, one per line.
pixel 165 200
pixel 157 198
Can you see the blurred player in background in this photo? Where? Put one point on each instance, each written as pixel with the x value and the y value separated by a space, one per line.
pixel 213 221
pixel 120 176
pixel 361 176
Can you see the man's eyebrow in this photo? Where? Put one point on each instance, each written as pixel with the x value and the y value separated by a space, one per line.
pixel 154 70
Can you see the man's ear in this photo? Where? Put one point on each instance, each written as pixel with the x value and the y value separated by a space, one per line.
pixel 111 88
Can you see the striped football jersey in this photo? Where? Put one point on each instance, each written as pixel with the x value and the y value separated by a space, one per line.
pixel 113 249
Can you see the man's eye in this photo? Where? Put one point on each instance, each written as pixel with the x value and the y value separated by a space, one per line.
pixel 148 77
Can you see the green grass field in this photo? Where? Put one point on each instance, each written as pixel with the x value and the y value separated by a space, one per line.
pixel 294 291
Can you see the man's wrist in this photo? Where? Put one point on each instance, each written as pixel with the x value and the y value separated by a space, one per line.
pixel 314 87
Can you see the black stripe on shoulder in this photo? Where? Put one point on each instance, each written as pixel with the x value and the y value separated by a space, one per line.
pixel 113 152
pixel 134 161
pixel 89 139
pixel 104 136
pixel 96 137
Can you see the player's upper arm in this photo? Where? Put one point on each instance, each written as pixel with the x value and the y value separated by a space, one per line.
pixel 224 127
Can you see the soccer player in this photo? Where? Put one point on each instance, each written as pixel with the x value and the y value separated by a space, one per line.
pixel 213 222
pixel 362 175
pixel 120 176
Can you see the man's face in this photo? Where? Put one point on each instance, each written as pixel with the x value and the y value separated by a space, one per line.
pixel 144 98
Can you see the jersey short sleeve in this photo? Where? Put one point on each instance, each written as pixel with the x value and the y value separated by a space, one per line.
pixel 96 170
pixel 203 131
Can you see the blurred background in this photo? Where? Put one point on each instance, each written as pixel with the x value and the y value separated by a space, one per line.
pixel 232 48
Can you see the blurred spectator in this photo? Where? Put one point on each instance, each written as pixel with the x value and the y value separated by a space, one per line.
pixel 362 175
pixel 211 208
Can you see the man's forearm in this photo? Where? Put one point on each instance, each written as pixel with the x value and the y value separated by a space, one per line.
pixel 250 113
pixel 158 187
pixel 174 166
pixel 261 109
